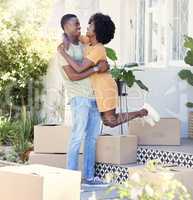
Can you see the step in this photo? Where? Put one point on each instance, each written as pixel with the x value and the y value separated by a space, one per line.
pixel 181 156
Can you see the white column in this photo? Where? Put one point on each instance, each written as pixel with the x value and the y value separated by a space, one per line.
pixel 54 98
pixel 55 17
pixel 128 23
pixel 83 9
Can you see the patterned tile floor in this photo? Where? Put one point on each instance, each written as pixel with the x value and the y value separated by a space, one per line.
pixel 185 147
pixel 169 155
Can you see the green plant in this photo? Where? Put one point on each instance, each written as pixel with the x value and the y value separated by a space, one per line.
pixel 187 74
pixel 23 138
pixel 18 134
pixel 11 156
pixel 24 54
pixel 124 73
pixel 151 186
pixel 7 131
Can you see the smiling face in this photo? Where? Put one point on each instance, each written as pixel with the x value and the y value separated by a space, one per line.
pixel 90 30
pixel 72 27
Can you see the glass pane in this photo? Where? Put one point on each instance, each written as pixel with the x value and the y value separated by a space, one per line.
pixel 153 46
pixel 179 28
pixel 157 33
pixel 141 32
pixel 153 3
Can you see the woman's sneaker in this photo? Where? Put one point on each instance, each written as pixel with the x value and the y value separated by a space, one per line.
pixel 149 120
pixel 95 182
pixel 152 116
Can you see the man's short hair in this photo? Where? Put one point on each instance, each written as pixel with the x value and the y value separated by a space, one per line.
pixel 65 19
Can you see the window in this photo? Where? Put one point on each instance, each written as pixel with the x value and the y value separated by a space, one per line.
pixel 161 25
pixel 140 40
pixel 179 28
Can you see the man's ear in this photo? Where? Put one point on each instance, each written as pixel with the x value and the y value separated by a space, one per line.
pixel 65 26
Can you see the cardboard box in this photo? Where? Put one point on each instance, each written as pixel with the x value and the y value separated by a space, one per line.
pixel 53 160
pixel 165 132
pixel 190 124
pixel 38 182
pixel 158 177
pixel 120 149
pixel 52 139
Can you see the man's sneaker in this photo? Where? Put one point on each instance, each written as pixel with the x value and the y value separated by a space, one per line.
pixel 95 182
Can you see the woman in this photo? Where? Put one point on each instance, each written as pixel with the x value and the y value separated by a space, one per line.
pixel 100 31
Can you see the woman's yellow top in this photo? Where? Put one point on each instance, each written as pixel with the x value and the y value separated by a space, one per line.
pixel 104 86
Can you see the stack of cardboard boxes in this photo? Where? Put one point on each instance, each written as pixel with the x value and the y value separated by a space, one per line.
pixel 50 142
pixel 122 149
pixel 50 146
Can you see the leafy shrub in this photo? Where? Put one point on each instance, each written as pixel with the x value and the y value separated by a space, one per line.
pixel 19 134
pixel 7 131
pixel 24 55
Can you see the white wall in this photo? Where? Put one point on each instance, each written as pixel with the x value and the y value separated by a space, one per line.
pixel 83 9
pixel 168 94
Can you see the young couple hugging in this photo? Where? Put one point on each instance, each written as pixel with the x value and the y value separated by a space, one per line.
pixel 92 92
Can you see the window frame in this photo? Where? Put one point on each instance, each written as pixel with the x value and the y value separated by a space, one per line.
pixel 168 34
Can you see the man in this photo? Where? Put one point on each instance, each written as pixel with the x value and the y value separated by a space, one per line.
pixel 85 115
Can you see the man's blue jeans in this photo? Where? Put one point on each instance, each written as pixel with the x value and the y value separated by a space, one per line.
pixel 86 127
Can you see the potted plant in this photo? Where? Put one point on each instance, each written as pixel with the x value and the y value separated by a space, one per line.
pixel 124 74
pixel 187 75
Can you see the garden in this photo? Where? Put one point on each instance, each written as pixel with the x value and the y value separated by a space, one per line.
pixel 25 51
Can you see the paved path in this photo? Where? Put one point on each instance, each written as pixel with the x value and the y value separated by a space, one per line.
pixel 96 193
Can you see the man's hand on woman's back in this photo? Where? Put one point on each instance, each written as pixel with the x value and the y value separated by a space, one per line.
pixel 103 66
